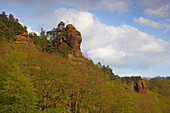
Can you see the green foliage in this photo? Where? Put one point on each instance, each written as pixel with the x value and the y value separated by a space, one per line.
pixel 42 43
pixel 107 71
pixel 56 34
pixel 61 25
pixel 9 27
pixel 51 78
pixel 16 89
pixel 124 101
pixel 14 26
pixel 131 79
pixel 160 85
pixel 5 33
pixel 49 41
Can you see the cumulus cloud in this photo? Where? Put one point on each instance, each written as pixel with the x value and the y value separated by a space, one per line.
pixel 121 47
pixel 147 22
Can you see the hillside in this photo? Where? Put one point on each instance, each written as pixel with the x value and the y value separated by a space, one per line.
pixel 49 74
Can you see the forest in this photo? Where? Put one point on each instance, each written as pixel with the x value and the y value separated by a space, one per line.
pixel 41 79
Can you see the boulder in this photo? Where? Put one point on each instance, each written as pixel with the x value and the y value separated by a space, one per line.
pixel 23 39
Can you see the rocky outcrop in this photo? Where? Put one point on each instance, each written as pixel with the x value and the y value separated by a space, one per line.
pixel 23 39
pixel 70 42
pixel 141 87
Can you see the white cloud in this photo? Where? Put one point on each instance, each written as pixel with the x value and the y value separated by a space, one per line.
pixel 119 5
pixel 160 12
pixel 157 8
pixel 122 46
pixel 111 5
pixel 150 23
pixel 28 28
pixel 168 20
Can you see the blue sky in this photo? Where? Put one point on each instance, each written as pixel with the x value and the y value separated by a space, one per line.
pixel 132 36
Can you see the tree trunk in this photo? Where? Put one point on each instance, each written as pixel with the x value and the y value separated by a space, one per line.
pixel 77 99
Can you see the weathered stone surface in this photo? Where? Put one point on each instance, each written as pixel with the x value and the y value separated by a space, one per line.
pixel 70 42
pixel 70 26
pixel 142 87
pixel 23 39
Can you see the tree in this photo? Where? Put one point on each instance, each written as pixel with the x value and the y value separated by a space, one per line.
pixel 10 27
pixel 108 72
pixel 56 34
pixel 99 65
pixel 44 41
pixel 11 17
pixel 5 33
pixel 16 90
pixel 50 75
pixel 3 17
pixel 61 25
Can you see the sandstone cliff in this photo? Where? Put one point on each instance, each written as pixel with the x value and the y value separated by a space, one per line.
pixel 71 41
pixel 68 43
pixel 142 87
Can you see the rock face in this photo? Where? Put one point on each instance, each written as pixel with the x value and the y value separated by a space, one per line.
pixel 142 87
pixel 70 42
pixel 23 39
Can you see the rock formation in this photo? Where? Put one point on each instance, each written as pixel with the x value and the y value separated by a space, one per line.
pixel 23 39
pixel 142 87
pixel 70 42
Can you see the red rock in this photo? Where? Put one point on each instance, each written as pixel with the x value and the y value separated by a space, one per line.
pixel 142 87
pixel 70 42
pixel 23 39
pixel 70 26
